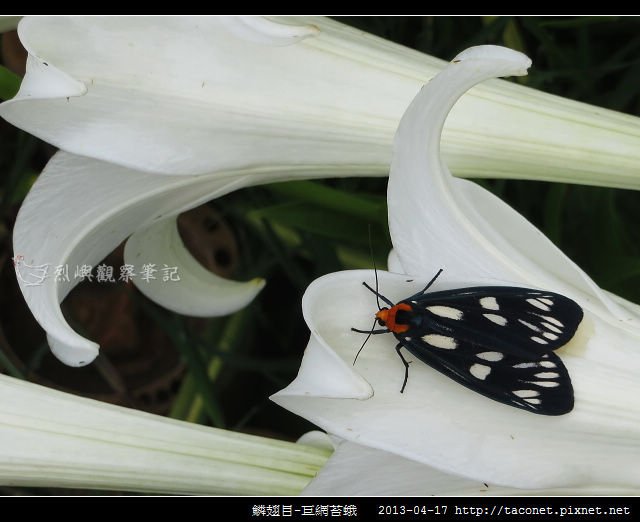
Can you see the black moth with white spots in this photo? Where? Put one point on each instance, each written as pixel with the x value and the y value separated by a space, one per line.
pixel 495 340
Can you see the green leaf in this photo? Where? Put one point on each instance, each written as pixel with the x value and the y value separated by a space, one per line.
pixel 332 225
pixel 329 198
pixel 9 83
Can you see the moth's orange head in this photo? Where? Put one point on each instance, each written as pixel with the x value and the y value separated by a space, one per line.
pixel 387 317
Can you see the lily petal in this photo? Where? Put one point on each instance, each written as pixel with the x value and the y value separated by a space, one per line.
pixel 360 470
pixel 444 425
pixel 437 220
pixel 214 80
pixel 470 219
pixel 292 120
pixel 195 291
pixel 97 206
pixel 323 374
pixel 439 422
pixel 238 92
pixel 53 439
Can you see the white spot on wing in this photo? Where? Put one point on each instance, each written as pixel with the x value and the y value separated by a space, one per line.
pixel 552 327
pixel 490 356
pixel 550 336
pixel 440 341
pixel 546 301
pixel 498 319
pixel 525 365
pixel 489 303
pixel 480 371
pixel 547 364
pixel 526 393
pixel 539 340
pixel 546 384
pixel 533 401
pixel 529 325
pixel 552 320
pixel 446 311
pixel 538 304
pixel 547 375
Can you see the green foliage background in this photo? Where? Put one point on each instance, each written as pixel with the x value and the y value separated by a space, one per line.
pixel 292 233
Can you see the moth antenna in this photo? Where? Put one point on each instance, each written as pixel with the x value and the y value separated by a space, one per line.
pixel 375 271
pixel 365 341
pixel 433 280
pixel 364 283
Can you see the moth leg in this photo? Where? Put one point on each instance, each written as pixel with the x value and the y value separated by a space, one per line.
pixel 372 332
pixel 406 367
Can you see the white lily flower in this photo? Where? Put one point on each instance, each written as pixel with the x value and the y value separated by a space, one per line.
pixel 159 114
pixel 354 469
pixel 439 221
pixel 53 439
pixel 197 95
pixel 104 204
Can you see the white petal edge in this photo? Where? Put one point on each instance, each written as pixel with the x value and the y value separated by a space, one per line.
pixel 441 423
pixel 323 374
pixel 440 221
pixel 198 292
pixel 261 30
pixel 393 262
pixel 317 439
pixel 44 80
pixel 355 470
pixel 53 439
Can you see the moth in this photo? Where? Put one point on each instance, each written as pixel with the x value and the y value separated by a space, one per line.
pixel 498 341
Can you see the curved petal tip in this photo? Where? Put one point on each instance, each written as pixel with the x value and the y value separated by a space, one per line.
pixel 323 374
pixel 186 287
pixel 45 80
pixel 74 355
pixel 516 62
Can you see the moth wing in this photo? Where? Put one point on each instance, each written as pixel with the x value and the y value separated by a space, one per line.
pixel 538 384
pixel 520 321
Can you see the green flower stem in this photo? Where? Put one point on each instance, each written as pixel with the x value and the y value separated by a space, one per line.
pixel 195 361
pixel 185 397
pixel 204 385
pixel 234 328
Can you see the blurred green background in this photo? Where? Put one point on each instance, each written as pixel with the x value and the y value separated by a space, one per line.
pixel 221 371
